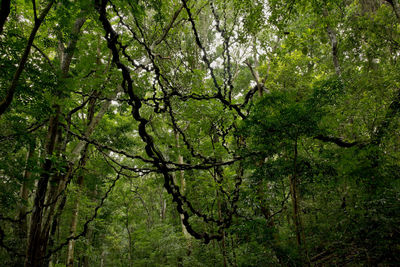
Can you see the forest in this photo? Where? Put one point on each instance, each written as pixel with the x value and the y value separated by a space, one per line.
pixel 199 133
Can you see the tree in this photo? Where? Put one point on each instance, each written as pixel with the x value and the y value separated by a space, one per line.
pixel 208 133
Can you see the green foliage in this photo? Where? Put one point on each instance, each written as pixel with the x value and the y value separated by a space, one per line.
pixel 250 92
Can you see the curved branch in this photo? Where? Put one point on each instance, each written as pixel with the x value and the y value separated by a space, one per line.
pixel 336 140
pixel 5 103
pixel 159 161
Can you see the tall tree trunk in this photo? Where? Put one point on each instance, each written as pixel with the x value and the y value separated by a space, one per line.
pixel 36 246
pixel 300 238
pixel 183 189
pixel 254 71
pixel 296 220
pixel 223 241
pixel 128 229
pixel 24 193
pixel 334 44
pixel 234 263
pixel 22 227
pixel 163 206
pixel 74 223
pixel 266 211
pixel 256 65
pixel 54 227
pixel 89 237
pixel 218 178
pixel 102 258
pixel 56 187
pixel 75 214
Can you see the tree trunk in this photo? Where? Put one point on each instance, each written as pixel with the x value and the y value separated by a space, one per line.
pixel 234 263
pixel 256 65
pixel 296 220
pixel 300 238
pixel 102 258
pixel 23 225
pixel 74 223
pixel 334 44
pixel 217 178
pixel 36 244
pixel 55 226
pixel 266 211
pixel 294 197
pixel 76 152
pixel 75 214
pixel 163 205
pixel 89 238
pixel 183 188
pixel 223 241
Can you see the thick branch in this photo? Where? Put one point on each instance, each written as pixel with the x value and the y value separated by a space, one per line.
pixel 208 63
pixel 5 103
pixel 336 140
pixel 69 51
pixel 150 148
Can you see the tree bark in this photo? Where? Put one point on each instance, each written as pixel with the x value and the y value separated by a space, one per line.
pixel 163 206
pixel 54 227
pixel 89 237
pixel 74 223
pixel 183 189
pixel 76 152
pixel 102 258
pixel 24 193
pixel 294 197
pixel 36 246
pixel 300 238
pixel 223 241
pixel 89 130
pixel 334 44
pixel 266 211
pixel 128 229
pixel 75 215
pixel 218 178
pixel 255 73
pixel 234 263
